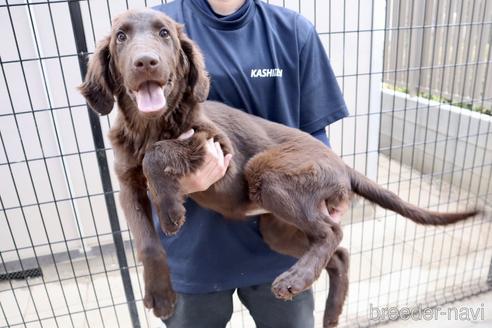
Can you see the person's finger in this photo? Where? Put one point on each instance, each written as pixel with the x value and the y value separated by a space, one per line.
pixel 220 154
pixel 222 169
pixel 337 212
pixel 208 167
pixel 210 175
pixel 188 134
pixel 218 170
pixel 209 152
pixel 211 147
pixel 227 161
pixel 343 207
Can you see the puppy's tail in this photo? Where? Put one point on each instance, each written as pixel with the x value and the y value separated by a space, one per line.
pixel 370 190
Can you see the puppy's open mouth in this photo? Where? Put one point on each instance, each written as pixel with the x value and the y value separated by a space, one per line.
pixel 150 97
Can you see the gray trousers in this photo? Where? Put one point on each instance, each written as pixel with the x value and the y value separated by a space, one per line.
pixel 214 310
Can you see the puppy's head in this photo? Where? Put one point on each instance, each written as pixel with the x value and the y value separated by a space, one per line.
pixel 148 57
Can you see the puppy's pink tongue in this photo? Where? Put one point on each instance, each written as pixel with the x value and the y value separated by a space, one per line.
pixel 150 97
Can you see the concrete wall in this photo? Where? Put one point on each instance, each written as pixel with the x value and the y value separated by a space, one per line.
pixel 453 143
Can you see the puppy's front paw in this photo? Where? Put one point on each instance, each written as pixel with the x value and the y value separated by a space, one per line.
pixel 171 216
pixel 159 295
pixel 291 283
pixel 330 324
pixel 161 298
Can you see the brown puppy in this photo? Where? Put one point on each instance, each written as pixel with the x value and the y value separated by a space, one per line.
pixel 158 77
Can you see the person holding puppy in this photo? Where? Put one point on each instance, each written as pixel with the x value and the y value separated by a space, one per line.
pixel 267 61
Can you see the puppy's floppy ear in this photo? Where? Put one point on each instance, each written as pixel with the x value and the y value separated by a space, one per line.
pixel 98 87
pixel 191 57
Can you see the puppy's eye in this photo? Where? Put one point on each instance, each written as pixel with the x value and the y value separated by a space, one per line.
pixel 121 36
pixel 164 33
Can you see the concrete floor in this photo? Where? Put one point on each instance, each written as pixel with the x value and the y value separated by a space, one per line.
pixel 478 307
pixel 394 264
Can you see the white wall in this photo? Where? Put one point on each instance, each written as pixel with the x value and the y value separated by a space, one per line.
pixel 452 143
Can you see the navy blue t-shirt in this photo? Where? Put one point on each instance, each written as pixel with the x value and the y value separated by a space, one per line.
pixel 267 61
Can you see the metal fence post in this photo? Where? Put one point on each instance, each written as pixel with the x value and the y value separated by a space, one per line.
pixel 81 45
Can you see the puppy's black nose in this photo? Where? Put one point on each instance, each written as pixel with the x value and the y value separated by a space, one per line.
pixel 146 62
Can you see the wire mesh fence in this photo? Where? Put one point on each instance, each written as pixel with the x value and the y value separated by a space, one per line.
pixel 410 72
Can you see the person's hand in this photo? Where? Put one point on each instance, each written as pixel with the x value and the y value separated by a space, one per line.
pixel 212 170
pixel 337 212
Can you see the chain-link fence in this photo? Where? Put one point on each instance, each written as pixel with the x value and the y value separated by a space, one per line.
pixel 415 76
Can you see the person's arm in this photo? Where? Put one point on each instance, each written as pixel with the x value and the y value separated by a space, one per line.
pixel 321 102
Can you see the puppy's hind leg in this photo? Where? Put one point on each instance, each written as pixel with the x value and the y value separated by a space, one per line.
pixel 283 182
pixel 307 269
pixel 337 270
pixel 322 233
pixel 287 239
